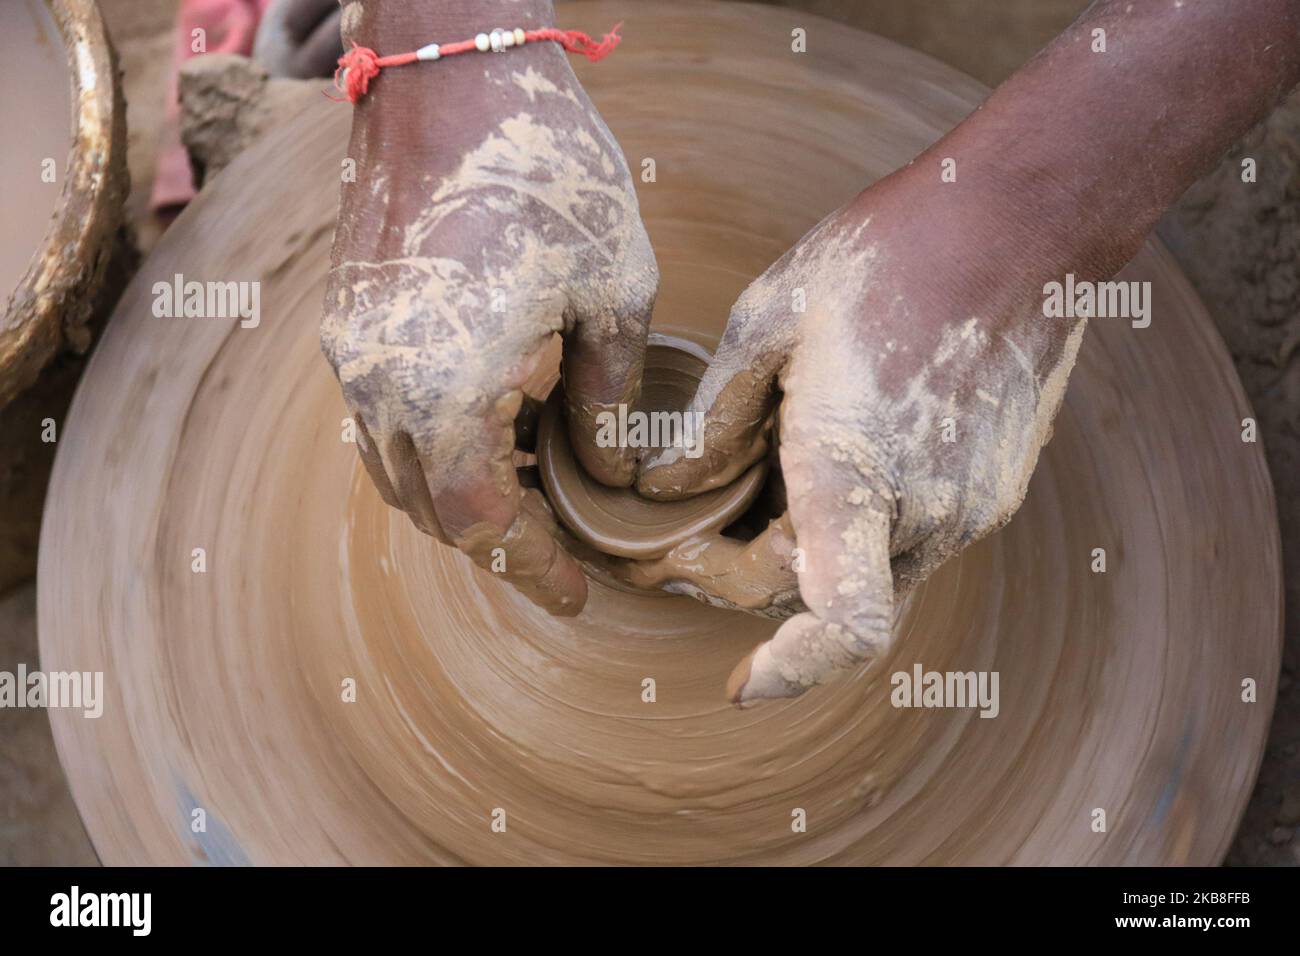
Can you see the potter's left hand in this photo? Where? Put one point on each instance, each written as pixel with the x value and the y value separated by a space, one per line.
pixel 916 399
pixel 907 331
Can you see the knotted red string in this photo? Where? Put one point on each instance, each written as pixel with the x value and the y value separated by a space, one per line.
pixel 359 65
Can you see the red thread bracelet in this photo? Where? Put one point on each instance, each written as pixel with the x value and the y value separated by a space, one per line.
pixel 360 65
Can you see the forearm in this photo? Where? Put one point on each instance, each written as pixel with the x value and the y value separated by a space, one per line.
pixel 1073 160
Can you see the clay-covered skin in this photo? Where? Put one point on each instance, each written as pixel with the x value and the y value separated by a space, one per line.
pixel 910 424
pixel 906 332
pixel 619 521
pixel 491 209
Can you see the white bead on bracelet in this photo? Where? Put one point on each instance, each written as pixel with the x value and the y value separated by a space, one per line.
pixel 499 40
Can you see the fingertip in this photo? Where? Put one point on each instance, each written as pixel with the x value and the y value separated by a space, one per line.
pixel 739 679
pixel 567 585
pixel 665 479
pixel 768 678
pixel 570 611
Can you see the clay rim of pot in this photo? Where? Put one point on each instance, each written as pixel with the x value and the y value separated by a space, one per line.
pixel 50 307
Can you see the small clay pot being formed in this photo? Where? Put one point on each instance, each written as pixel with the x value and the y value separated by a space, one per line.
pixel 619 521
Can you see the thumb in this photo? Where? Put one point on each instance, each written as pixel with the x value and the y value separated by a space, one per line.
pixel 736 396
pixel 842 515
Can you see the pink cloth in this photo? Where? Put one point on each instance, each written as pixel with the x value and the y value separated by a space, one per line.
pixel 229 26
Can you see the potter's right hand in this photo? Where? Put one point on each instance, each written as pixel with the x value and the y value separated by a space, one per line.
pixel 491 208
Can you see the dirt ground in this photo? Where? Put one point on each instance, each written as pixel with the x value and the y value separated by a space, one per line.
pixel 1240 246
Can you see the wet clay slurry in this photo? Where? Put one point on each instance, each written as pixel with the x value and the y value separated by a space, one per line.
pixel 225 689
pixel 618 521
pixel 36 114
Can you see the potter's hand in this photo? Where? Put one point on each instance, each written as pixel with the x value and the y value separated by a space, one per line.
pixel 492 208
pixel 299 38
pixel 915 404
pixel 921 376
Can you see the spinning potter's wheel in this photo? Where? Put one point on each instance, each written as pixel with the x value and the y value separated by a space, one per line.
pixel 1118 690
